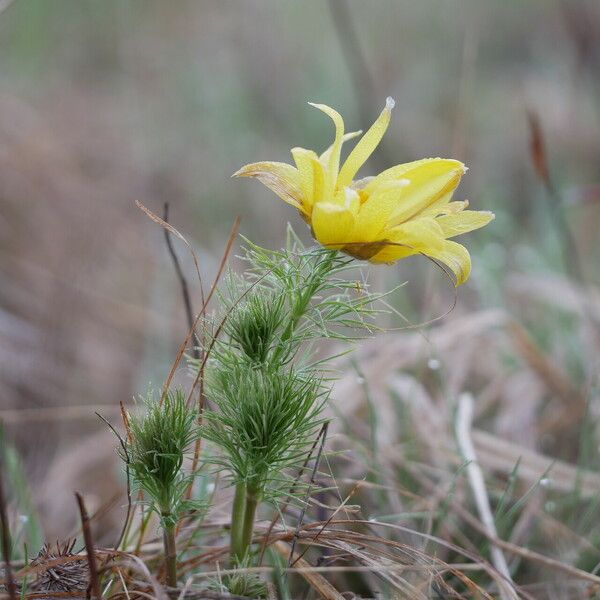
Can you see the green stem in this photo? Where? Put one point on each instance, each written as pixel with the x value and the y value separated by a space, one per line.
pixel 170 553
pixel 238 550
pixel 300 305
pixel 251 504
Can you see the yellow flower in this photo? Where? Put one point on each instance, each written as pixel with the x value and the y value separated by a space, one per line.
pixel 404 210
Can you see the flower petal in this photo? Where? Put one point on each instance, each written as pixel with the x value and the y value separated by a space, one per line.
pixel 425 166
pixel 419 235
pixel 375 212
pixel 430 184
pixel 454 256
pixel 366 145
pixel 464 221
pixel 281 178
pixel 410 238
pixel 333 159
pixel 324 157
pixel 305 160
pixel 444 207
pixel 332 224
pixel 392 252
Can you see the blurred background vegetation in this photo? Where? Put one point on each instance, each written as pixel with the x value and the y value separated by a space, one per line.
pixel 106 102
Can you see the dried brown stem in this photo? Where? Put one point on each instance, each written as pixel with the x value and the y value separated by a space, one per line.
pixel 185 290
pixel 89 547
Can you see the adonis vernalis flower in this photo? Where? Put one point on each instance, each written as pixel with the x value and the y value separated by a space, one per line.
pixel 404 210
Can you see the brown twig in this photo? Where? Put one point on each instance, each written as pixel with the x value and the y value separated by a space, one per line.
pixel 8 572
pixel 154 217
pixel 183 346
pixel 185 291
pixel 89 547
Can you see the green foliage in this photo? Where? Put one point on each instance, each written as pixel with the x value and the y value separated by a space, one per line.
pixel 241 583
pixel 263 377
pixel 253 325
pixel 159 440
pixel 266 376
pixel 265 422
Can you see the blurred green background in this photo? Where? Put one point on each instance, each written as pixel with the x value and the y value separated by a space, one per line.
pixel 104 102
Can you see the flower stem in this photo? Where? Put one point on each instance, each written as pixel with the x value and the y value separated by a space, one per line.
pixel 251 504
pixel 238 550
pixel 170 554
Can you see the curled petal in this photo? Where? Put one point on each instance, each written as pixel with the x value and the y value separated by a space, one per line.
pixel 333 159
pixel 281 178
pixel 454 256
pixel 364 148
pixel 464 221
pixel 445 208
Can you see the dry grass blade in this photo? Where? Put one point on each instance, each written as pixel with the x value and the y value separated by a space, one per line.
pixel 500 455
pixel 315 580
pixel 464 422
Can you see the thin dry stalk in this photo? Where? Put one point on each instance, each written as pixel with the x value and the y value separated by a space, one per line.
pixel 323 437
pixel 285 504
pixel 185 290
pixel 89 547
pixel 172 230
pixel 184 344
